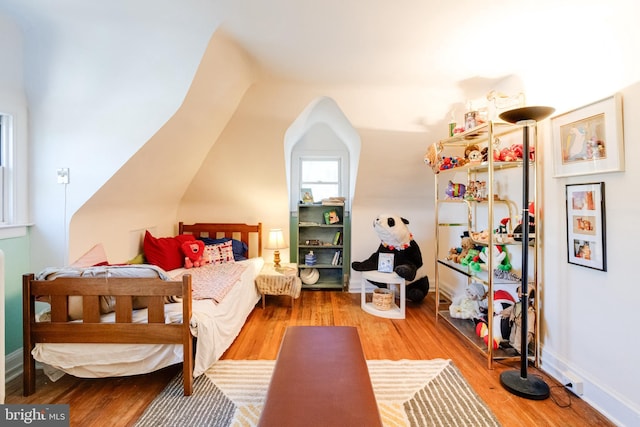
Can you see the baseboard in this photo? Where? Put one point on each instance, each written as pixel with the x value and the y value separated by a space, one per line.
pixel 355 286
pixel 13 365
pixel 618 409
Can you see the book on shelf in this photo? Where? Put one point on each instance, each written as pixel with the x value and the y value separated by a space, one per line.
pixel 333 201
pixel 337 238
pixel 331 217
pixel 337 257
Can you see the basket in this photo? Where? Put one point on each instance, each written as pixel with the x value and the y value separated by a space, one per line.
pixel 382 299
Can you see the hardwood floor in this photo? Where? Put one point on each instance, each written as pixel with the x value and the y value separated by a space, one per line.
pixel 120 401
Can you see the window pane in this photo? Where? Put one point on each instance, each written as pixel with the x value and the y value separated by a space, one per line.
pixel 322 177
pixel 321 171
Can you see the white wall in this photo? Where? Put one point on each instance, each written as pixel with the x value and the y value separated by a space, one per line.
pixel 146 191
pixel 97 96
pixel 589 316
pixel 13 102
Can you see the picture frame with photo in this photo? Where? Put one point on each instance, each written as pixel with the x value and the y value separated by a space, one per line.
pixel 385 262
pixel 306 196
pixel 589 139
pixel 586 235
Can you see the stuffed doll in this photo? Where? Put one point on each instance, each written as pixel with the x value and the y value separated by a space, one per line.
pixel 470 304
pixel 396 239
pixel 193 253
pixel 503 303
pixel 515 316
pixel 500 258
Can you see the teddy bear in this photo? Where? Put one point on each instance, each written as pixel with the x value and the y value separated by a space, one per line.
pixel 431 157
pixel 194 253
pixel 466 243
pixel 395 238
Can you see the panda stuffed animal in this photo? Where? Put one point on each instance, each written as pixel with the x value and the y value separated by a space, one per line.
pixel 396 239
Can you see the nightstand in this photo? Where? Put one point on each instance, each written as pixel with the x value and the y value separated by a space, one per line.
pixel 279 281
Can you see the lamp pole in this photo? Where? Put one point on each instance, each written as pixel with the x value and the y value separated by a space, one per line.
pixel 520 383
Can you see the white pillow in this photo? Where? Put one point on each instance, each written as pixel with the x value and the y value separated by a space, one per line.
pixel 220 253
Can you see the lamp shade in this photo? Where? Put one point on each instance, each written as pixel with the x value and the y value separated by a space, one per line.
pixel 524 114
pixel 276 239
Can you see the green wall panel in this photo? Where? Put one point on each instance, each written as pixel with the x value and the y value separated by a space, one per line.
pixel 16 258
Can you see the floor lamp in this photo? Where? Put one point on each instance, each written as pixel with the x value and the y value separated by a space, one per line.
pixel 519 383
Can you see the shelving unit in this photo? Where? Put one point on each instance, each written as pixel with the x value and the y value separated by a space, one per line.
pixel 453 216
pixel 325 240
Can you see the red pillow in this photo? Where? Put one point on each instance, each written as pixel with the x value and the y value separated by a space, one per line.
pixel 165 252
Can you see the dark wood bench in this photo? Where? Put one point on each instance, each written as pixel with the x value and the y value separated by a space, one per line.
pixel 320 379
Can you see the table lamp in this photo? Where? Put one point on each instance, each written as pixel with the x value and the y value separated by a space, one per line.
pixel 275 243
pixel 519 383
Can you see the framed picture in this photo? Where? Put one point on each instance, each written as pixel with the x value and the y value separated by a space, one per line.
pixel 306 196
pixel 586 237
pixel 385 262
pixel 589 139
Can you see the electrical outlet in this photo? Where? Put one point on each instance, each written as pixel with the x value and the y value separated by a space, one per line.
pixel 63 176
pixel 573 382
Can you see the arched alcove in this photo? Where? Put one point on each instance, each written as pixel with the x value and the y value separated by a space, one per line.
pixel 322 133
pixel 322 115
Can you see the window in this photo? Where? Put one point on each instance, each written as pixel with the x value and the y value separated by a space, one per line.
pixel 5 166
pixel 322 176
pixel 5 139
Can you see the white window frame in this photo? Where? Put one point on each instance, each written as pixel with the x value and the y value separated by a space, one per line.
pixel 340 182
pixel 5 142
pixel 7 162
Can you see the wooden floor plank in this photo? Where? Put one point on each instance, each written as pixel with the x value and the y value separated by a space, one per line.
pixel 120 401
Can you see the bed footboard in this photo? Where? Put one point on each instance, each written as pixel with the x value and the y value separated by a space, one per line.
pixel 91 330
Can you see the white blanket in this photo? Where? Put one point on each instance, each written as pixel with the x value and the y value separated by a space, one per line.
pixel 215 325
pixel 214 281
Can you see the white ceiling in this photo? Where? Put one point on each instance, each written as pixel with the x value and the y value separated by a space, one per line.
pixel 451 50
pixel 407 42
pixel 415 42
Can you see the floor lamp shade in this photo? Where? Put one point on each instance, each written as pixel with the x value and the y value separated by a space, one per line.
pixel 519 382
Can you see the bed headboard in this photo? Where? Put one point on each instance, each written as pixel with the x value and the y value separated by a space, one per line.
pixel 249 234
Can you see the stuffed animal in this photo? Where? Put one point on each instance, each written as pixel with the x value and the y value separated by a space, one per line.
pixel 472 259
pixel 431 157
pixel 515 318
pixel 455 190
pixel 500 258
pixel 503 302
pixel 470 304
pixel 395 238
pixel 458 254
pixel 193 253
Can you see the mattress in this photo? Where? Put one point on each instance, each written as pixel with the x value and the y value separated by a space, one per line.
pixel 216 325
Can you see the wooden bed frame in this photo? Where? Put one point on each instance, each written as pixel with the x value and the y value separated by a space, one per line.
pixel 122 331
pixel 231 231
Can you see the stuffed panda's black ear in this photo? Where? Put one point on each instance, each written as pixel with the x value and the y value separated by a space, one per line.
pixel 406 221
pixel 391 222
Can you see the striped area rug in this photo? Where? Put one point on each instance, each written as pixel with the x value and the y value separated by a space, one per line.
pixel 409 393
